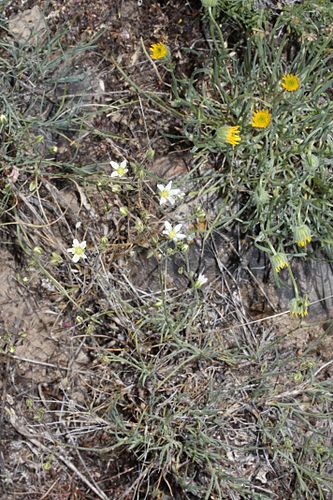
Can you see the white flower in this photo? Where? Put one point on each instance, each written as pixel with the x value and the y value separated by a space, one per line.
pixel 173 232
pixel 119 169
pixel 78 250
pixel 167 194
pixel 14 175
pixel 201 280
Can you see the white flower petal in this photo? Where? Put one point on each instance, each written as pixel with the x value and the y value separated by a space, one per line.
pixel 123 164
pixel 175 192
pixel 168 226
pixel 202 279
pixel 76 243
pixel 168 187
pixel 160 187
pixel 76 258
pixel 115 174
pixel 163 201
pixel 114 165
pixel 178 227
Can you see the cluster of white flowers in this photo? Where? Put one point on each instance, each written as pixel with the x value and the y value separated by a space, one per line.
pixel 173 233
pixel 167 194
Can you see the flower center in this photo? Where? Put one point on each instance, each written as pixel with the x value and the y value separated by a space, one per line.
pixel 79 251
pixel 165 193
pixel 172 234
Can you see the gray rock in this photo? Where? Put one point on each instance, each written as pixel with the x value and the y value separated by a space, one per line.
pixel 28 27
pixel 314 277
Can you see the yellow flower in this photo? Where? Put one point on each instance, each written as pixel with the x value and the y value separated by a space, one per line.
pixel 233 136
pixel 261 118
pixel 299 307
pixel 158 51
pixel 228 134
pixel 302 235
pixel 290 82
pixel 279 261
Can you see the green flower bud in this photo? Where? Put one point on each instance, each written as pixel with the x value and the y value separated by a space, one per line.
pixel 279 261
pixel 299 306
pixel 302 235
pixel 209 3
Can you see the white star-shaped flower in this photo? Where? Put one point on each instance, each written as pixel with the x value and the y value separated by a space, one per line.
pixel 78 250
pixel 167 194
pixel 173 233
pixel 119 169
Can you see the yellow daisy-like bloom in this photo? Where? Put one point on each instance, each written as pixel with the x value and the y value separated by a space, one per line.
pixel 158 51
pixel 302 235
pixel 279 261
pixel 290 82
pixel 228 134
pixel 299 307
pixel 261 118
pixel 233 136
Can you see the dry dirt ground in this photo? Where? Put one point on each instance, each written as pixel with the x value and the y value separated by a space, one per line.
pixel 49 369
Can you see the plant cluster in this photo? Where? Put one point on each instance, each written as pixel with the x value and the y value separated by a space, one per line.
pixel 263 118
pixel 181 395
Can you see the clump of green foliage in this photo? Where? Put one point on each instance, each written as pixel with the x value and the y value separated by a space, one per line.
pixel 279 172
pixel 38 106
